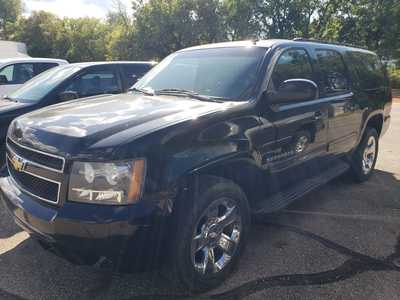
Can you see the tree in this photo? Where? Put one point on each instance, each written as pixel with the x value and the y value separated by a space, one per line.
pixel 10 11
pixel 40 33
pixel 373 24
pixel 158 27
pixel 120 39
pixel 240 19
pixel 76 40
pixel 164 26
pixel 84 39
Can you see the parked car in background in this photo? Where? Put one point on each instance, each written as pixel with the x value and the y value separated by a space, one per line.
pixel 68 82
pixel 14 72
pixel 213 135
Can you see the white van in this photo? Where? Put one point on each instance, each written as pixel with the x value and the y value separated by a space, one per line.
pixel 14 72
pixel 12 49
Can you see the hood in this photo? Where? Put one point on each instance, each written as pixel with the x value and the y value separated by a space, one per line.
pixel 8 111
pixel 105 121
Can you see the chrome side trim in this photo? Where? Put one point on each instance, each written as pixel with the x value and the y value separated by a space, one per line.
pixel 41 152
pixel 283 107
pixel 34 175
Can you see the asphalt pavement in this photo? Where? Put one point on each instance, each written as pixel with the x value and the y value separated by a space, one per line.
pixel 340 242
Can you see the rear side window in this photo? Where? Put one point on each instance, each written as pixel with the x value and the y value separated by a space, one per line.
pixel 292 64
pixel 133 72
pixel 18 73
pixel 368 69
pixel 41 67
pixel 333 78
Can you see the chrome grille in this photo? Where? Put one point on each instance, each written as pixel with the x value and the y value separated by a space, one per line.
pixel 49 161
pixel 41 181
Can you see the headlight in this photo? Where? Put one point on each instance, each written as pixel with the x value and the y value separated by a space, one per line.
pixel 116 183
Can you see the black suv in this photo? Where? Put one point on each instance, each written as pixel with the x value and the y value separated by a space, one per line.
pixel 68 82
pixel 171 173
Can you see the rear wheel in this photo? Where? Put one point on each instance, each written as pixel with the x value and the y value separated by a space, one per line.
pixel 211 236
pixel 364 158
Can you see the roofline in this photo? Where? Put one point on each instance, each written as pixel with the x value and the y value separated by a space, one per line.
pixel 245 43
pixel 275 42
pixel 94 63
pixel 348 45
pixel 28 58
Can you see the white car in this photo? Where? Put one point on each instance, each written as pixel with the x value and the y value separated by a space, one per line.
pixel 14 72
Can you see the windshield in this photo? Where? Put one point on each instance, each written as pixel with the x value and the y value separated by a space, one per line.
pixel 228 73
pixel 35 89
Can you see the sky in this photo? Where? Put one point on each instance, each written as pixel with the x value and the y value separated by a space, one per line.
pixel 73 8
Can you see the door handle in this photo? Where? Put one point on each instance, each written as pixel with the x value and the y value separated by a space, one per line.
pixel 318 115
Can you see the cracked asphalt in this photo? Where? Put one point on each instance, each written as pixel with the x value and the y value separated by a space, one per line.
pixel 340 242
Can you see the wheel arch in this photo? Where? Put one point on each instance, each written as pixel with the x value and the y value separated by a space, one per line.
pixel 244 171
pixel 374 120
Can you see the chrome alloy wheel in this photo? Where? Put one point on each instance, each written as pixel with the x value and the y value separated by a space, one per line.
pixel 301 144
pixel 216 236
pixel 369 155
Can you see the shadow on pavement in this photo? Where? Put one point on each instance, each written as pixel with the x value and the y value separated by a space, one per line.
pixel 33 273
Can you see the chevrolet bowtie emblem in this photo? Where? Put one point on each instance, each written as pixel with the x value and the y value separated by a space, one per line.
pixel 18 163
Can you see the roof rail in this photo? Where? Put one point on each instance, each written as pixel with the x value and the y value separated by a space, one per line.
pixel 300 39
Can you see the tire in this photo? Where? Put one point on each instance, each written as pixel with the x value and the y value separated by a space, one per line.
pixel 200 222
pixel 362 163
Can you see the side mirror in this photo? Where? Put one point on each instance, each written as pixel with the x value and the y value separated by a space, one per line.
pixel 3 79
pixel 68 95
pixel 295 90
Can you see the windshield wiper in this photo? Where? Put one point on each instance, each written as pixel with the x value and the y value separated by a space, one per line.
pixel 10 99
pixel 187 93
pixel 143 91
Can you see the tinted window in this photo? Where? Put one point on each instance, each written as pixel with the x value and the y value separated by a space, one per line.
pixel 41 67
pixel 18 73
pixel 95 83
pixel 333 77
pixel 8 72
pixel 37 88
pixel 292 64
pixel 229 73
pixel 133 72
pixel 369 70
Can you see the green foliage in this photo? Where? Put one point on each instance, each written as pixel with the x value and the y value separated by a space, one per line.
pixel 40 32
pixel 158 27
pixel 85 39
pixel 10 10
pixel 73 39
pixel 372 24
pixel 120 43
pixel 395 78
pixel 164 26
pixel 240 19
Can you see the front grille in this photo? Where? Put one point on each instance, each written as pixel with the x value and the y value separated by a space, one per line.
pixel 35 186
pixel 44 159
pixel 42 181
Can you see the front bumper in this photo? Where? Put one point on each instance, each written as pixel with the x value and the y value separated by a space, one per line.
pixel 89 234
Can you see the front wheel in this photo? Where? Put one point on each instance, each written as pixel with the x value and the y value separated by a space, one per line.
pixel 364 158
pixel 211 235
